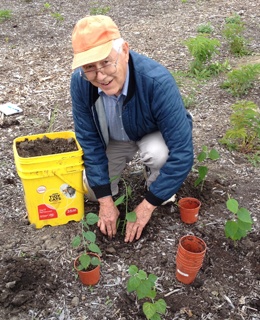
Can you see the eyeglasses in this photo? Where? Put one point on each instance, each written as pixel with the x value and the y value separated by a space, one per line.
pixel 90 72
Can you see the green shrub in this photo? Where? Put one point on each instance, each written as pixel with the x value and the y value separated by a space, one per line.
pixel 233 32
pixel 202 49
pixel 244 135
pixel 205 28
pixel 240 80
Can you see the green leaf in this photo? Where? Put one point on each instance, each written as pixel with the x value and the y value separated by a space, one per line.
pixel 129 191
pixel 92 218
pixel 132 270
pixel 95 261
pixel 202 156
pixel 232 205
pixel 244 215
pixel 132 284
pixel 244 225
pixel 142 275
pixel 240 234
pixel 120 200
pixel 231 228
pixel 144 290
pixel 156 316
pixel 76 241
pixel 131 216
pixel 161 306
pixel 149 309
pixel 85 260
pixel 203 170
pixel 152 278
pixel 197 181
pixel 213 154
pixel 90 236
pixel 114 178
pixel 94 248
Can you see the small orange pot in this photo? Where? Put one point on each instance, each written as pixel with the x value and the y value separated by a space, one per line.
pixel 88 278
pixel 189 258
pixel 189 209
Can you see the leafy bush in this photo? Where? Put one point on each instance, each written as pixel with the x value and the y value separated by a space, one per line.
pixel 233 32
pixel 202 49
pixel 238 228
pixel 240 80
pixel 244 134
pixel 205 28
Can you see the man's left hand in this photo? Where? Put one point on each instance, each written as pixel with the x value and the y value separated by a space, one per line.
pixel 143 214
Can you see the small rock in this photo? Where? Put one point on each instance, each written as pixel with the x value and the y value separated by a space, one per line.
pixel 10 285
pixel 110 250
pixel 75 302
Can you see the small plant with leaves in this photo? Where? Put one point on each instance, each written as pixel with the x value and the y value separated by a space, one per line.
pixel 88 239
pixel 130 216
pixel 239 81
pixel 233 32
pixel 5 15
pixel 145 288
pixel 202 49
pixel 238 227
pixel 202 171
pixel 244 134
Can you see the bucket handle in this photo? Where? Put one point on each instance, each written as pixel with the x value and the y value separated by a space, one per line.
pixel 68 182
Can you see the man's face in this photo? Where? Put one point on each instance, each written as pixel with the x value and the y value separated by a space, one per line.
pixel 111 84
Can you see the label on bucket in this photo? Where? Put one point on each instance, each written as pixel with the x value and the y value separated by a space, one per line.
pixel 182 273
pixel 46 211
pixel 71 211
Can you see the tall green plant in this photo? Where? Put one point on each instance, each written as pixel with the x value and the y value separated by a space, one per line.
pixel 244 134
pixel 202 49
pixel 239 81
pixel 233 32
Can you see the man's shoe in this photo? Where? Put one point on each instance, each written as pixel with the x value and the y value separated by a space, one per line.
pixel 172 199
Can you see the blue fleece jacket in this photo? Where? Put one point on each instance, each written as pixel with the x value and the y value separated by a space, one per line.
pixel 153 103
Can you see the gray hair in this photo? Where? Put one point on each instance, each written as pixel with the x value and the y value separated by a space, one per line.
pixel 117 44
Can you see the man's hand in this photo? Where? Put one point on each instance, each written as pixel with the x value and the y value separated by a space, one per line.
pixel 108 214
pixel 143 214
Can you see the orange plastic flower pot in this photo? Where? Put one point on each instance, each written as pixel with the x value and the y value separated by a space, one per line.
pixel 88 278
pixel 189 209
pixel 189 258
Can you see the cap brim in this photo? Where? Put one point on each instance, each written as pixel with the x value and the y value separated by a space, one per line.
pixel 92 55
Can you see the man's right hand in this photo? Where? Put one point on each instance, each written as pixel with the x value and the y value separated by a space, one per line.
pixel 108 215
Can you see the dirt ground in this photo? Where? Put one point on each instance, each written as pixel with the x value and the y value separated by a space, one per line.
pixel 37 280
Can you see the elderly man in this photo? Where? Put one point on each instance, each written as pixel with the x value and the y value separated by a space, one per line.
pixel 124 102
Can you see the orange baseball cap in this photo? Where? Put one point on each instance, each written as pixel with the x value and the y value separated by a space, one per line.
pixel 92 39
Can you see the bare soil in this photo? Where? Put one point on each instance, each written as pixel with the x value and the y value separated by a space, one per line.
pixel 37 280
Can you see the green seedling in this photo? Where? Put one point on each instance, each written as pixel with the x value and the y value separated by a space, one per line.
pixel 96 9
pixel 57 16
pixel 145 288
pixel 202 171
pixel 130 216
pixel 205 28
pixel 239 81
pixel 5 15
pixel 242 223
pixel 244 134
pixel 88 239
pixel 47 5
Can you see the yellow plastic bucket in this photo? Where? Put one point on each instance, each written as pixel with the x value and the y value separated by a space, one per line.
pixel 52 184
